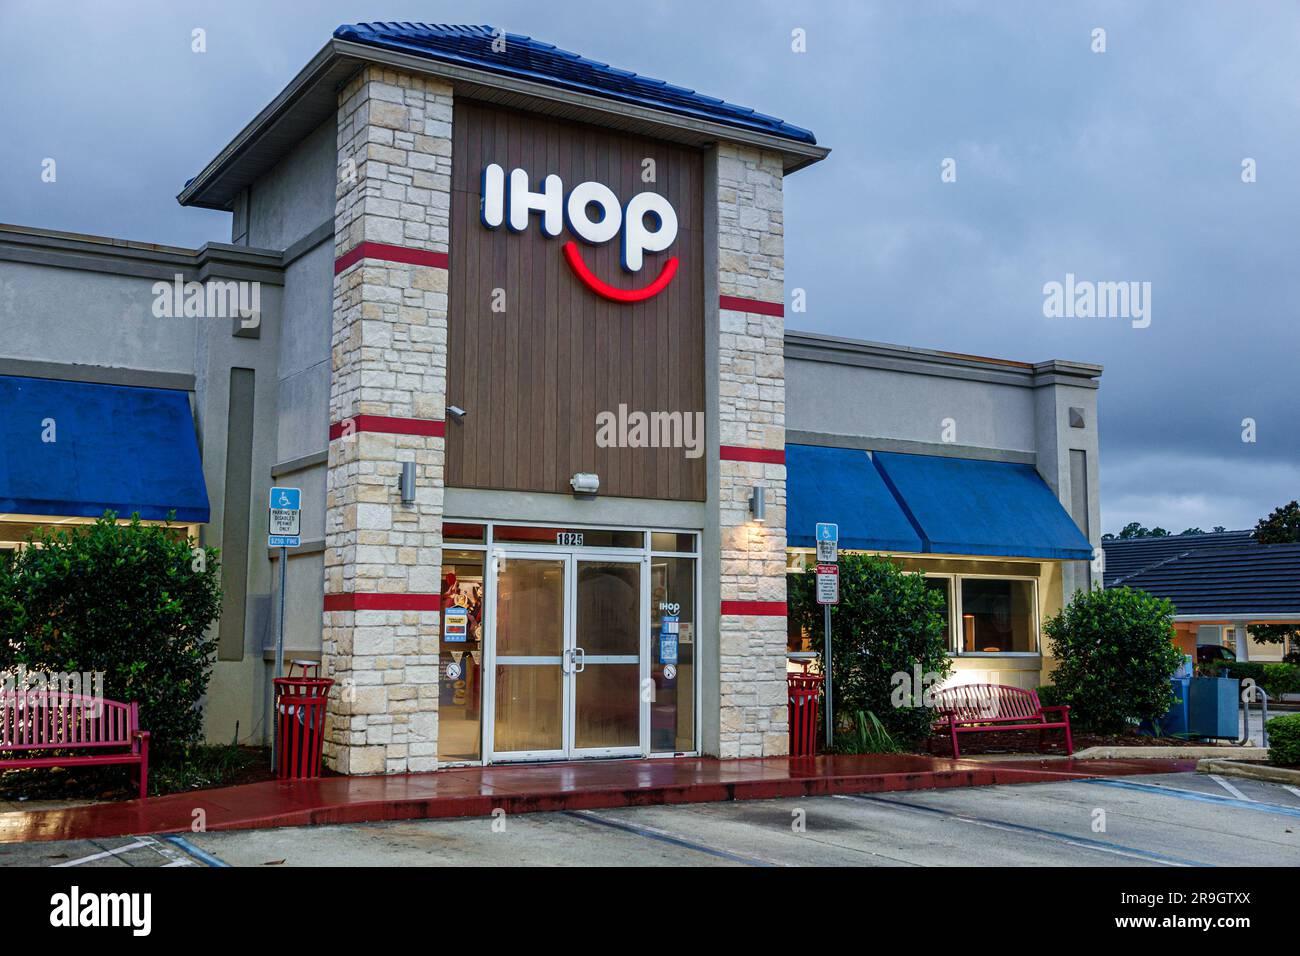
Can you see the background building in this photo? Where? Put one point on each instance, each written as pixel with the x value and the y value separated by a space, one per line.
pixel 1220 584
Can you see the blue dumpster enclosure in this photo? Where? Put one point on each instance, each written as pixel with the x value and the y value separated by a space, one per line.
pixel 1212 707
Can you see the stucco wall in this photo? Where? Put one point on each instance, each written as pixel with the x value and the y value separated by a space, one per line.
pixel 909 406
pixel 90 318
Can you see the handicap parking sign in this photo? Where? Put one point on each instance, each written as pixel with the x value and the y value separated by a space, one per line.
pixel 828 542
pixel 284 518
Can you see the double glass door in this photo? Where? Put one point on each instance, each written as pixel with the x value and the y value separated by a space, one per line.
pixel 568 656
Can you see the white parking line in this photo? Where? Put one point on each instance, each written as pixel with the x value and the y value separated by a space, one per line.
pixel 1295 790
pixel 167 853
pixel 99 856
pixel 1230 788
pixel 1085 843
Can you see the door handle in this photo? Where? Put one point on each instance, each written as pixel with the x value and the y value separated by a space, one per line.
pixel 565 660
pixel 579 660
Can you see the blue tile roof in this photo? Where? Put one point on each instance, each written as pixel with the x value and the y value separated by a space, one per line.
pixel 1126 557
pixel 531 59
pixel 1209 574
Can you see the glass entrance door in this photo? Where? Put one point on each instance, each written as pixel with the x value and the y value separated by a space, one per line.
pixel 568 650
pixel 530 656
pixel 606 658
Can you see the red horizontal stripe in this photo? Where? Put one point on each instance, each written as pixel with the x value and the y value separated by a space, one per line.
pixel 754 608
pixel 739 304
pixel 387 253
pixel 768 456
pixel 390 426
pixel 374 601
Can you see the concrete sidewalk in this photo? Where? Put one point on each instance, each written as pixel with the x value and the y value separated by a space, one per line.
pixel 478 791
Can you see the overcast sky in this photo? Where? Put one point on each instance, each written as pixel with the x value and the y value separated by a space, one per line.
pixel 1124 165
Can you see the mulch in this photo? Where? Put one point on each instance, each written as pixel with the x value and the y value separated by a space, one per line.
pixel 118 782
pixel 1021 742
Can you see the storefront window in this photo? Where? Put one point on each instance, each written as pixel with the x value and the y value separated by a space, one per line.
pixel 672 541
pixel 454 532
pixel 998 616
pixel 460 658
pixel 943 586
pixel 672 654
pixel 568 537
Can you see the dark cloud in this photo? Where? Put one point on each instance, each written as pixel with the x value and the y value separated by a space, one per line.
pixel 1116 166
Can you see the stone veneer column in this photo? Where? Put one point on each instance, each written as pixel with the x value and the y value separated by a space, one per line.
pixel 387 401
pixel 751 433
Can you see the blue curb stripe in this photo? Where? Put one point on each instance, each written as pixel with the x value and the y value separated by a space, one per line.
pixel 202 856
pixel 1197 797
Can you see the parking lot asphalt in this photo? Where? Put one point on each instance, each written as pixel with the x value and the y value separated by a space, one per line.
pixel 1170 820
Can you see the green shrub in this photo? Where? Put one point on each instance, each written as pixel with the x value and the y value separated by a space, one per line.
pixel 1284 740
pixel 1049 695
pixel 867 736
pixel 887 630
pixel 1114 655
pixel 133 601
pixel 1275 678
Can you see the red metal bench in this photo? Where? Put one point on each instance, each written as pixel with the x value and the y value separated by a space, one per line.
pixel 992 708
pixel 106 731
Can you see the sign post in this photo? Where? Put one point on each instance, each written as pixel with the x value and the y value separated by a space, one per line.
pixel 828 593
pixel 284 531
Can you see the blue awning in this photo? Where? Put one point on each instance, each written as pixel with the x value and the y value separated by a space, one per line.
pixel 124 449
pixel 963 506
pixel 840 485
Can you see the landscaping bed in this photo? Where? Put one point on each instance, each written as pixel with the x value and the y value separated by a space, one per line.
pixel 1026 742
pixel 196 768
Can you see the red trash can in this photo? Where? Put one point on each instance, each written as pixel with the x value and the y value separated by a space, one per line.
pixel 300 723
pixel 804 689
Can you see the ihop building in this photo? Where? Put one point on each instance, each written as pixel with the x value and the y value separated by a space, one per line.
pixel 513 321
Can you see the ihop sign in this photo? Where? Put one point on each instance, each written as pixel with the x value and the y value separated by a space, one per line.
pixel 590 211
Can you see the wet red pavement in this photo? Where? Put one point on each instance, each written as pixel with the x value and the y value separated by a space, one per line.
pixel 591 785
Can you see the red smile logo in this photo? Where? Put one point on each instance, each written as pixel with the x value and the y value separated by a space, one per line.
pixel 602 288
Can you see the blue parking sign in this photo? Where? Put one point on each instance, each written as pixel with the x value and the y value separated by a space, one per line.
pixel 287 498
pixel 827 531
pixel 284 518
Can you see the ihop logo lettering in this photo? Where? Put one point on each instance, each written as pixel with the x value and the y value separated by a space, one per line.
pixel 590 211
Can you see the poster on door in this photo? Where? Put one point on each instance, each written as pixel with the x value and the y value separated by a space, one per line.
pixel 668 626
pixel 455 625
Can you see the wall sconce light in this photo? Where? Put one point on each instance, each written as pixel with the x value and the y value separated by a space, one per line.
pixel 456 412
pixel 408 482
pixel 585 483
pixel 757 506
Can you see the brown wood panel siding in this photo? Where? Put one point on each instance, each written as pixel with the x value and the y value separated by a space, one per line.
pixel 534 377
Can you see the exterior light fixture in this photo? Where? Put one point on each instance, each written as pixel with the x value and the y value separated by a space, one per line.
pixel 408 482
pixel 757 506
pixel 585 483
pixel 456 412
